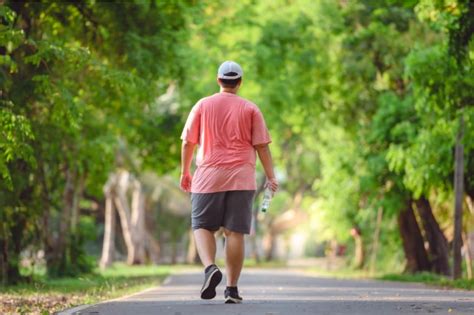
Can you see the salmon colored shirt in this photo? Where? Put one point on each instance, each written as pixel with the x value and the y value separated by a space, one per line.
pixel 226 127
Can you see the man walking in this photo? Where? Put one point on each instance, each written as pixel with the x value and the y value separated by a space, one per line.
pixel 229 130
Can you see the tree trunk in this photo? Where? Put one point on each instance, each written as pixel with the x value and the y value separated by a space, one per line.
pixel 11 239
pixel 458 200
pixel 75 246
pixel 125 221
pixel 108 248
pixel 75 211
pixel 4 258
pixel 415 253
pixel 46 233
pixel 468 255
pixel 133 223
pixel 58 263
pixel 138 241
pixel 152 247
pixel 470 204
pixel 9 258
pixel 174 252
pixel 438 245
pixel 138 220
pixel 378 224
pixel 359 252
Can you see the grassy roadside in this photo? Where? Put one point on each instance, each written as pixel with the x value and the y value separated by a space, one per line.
pixel 45 296
pixel 424 277
pixel 431 279
pixel 343 272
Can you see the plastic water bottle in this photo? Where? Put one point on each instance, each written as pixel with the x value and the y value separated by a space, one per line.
pixel 267 197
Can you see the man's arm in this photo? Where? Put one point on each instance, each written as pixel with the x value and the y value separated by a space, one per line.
pixel 265 157
pixel 187 150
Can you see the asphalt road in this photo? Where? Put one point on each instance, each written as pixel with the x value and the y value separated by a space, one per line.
pixel 272 292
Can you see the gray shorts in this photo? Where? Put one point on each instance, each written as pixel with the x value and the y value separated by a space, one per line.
pixel 230 209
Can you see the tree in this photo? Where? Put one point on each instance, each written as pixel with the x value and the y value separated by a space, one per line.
pixel 442 79
pixel 79 79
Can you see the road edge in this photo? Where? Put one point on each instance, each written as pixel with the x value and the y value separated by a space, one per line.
pixel 78 308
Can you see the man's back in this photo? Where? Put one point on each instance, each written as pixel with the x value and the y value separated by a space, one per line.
pixel 227 133
pixel 226 127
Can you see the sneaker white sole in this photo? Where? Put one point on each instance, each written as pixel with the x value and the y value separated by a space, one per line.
pixel 231 300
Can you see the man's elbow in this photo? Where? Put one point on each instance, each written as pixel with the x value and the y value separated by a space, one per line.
pixel 260 147
pixel 188 145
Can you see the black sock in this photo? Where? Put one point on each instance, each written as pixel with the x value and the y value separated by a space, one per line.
pixel 209 268
pixel 231 288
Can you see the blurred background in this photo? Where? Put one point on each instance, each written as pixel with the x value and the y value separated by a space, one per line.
pixel 369 105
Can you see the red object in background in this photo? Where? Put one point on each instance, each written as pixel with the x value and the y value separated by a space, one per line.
pixel 341 250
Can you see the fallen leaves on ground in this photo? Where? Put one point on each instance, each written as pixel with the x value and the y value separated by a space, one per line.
pixel 38 303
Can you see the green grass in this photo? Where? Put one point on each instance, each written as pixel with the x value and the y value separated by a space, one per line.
pixel 423 277
pixel 340 273
pixel 432 279
pixel 49 295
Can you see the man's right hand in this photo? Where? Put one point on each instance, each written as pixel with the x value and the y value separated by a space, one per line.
pixel 185 182
pixel 272 183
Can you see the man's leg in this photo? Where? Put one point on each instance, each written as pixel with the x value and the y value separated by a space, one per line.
pixel 206 213
pixel 206 246
pixel 234 256
pixel 236 222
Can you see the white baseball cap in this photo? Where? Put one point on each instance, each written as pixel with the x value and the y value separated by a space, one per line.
pixel 230 70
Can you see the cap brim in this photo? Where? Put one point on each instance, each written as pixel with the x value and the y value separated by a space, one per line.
pixel 229 77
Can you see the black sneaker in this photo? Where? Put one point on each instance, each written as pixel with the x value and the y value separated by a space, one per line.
pixel 232 296
pixel 212 277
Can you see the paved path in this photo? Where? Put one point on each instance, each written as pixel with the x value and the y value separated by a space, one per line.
pixel 272 292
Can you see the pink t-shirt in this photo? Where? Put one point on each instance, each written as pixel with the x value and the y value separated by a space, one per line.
pixel 226 127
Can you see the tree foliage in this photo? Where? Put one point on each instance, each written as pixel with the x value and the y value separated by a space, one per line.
pixel 362 99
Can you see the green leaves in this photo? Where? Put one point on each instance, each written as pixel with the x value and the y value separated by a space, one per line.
pixel 441 14
pixel 361 97
pixel 71 56
pixel 15 137
pixel 84 79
